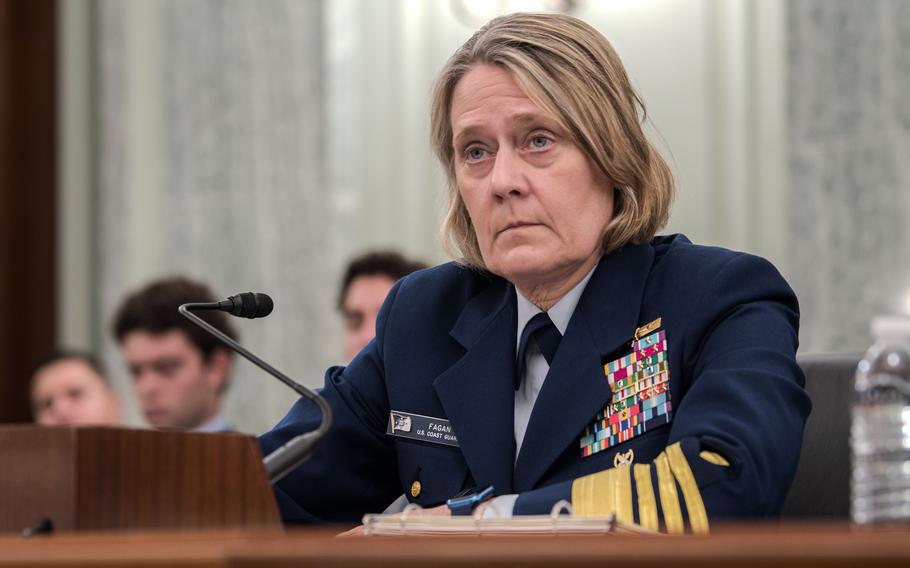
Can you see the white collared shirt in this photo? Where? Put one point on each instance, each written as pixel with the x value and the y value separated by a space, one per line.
pixel 536 369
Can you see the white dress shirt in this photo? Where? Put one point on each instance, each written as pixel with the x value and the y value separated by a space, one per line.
pixel 536 369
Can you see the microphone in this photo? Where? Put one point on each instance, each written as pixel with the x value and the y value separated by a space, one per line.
pixel 251 305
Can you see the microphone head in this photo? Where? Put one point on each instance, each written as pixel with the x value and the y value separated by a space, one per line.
pixel 251 305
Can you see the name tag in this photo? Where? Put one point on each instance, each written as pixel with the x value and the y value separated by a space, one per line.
pixel 420 427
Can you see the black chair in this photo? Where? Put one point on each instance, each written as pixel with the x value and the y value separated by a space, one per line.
pixel 821 488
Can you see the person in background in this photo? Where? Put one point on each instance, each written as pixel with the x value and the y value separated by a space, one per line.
pixel 180 373
pixel 69 388
pixel 367 280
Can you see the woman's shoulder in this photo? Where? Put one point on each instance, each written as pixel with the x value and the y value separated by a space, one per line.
pixel 683 265
pixel 678 253
pixel 450 283
pixel 448 275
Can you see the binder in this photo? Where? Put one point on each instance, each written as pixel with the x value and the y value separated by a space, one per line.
pixel 410 522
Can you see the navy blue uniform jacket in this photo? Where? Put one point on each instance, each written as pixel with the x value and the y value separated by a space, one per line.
pixel 445 348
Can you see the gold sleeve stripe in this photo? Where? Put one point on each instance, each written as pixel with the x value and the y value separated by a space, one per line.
pixel 669 499
pixel 647 504
pixel 581 496
pixel 716 459
pixel 593 494
pixel 698 518
pixel 623 496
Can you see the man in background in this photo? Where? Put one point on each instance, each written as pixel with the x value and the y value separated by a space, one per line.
pixel 365 285
pixel 179 372
pixel 70 389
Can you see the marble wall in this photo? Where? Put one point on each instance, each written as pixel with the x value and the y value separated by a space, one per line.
pixel 211 164
pixel 848 139
pixel 258 144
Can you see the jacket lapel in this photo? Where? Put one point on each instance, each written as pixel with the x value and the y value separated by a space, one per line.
pixel 477 392
pixel 575 389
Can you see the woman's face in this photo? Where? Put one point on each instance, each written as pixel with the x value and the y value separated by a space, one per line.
pixel 539 206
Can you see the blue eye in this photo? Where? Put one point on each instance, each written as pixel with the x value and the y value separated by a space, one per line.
pixel 539 142
pixel 475 154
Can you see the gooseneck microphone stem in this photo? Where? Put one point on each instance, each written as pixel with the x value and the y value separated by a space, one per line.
pixel 185 309
pixel 283 460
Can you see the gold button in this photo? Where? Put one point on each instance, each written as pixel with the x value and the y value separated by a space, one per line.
pixel 415 489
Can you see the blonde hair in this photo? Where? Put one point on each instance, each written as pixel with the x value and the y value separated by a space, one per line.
pixel 570 70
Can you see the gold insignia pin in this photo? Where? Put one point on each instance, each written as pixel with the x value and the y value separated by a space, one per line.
pixel 645 330
pixel 415 489
pixel 623 458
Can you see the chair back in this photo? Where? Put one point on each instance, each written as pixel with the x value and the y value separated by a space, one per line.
pixel 821 488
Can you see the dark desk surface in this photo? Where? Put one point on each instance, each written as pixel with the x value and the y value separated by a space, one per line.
pixel 737 546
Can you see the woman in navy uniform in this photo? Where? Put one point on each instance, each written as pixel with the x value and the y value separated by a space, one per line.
pixel 568 353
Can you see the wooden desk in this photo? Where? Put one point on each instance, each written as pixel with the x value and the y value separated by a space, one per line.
pixel 133 549
pixel 731 546
pixel 95 478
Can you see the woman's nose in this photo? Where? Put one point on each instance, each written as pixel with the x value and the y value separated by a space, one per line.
pixel 507 177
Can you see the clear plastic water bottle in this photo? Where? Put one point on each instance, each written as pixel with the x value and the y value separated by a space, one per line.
pixel 880 432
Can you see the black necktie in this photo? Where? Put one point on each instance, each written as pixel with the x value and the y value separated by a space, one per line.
pixel 546 335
